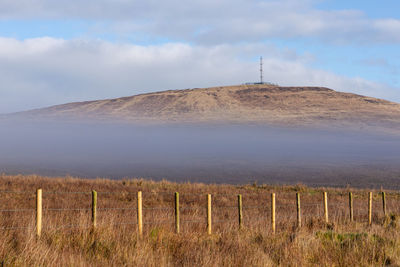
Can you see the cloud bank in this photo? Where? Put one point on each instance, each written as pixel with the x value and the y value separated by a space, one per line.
pixel 45 71
pixel 214 22
pixel 127 47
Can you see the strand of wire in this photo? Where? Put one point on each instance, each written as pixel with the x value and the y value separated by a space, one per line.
pixel 17 210
pixel 63 209
pixel 15 227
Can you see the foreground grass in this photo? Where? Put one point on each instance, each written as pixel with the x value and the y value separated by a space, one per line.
pixel 340 243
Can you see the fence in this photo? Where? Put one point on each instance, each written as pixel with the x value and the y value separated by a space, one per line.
pixel 242 210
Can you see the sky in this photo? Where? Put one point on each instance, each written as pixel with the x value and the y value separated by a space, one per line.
pixel 53 52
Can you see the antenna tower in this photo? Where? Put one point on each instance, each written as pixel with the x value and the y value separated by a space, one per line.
pixel 261 70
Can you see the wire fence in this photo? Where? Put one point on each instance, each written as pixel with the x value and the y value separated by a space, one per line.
pixel 56 210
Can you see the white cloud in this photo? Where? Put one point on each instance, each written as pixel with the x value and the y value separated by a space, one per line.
pixel 213 22
pixel 387 27
pixel 46 71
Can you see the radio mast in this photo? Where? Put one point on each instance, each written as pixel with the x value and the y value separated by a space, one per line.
pixel 261 70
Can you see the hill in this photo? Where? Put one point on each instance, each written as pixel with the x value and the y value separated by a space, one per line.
pixel 265 104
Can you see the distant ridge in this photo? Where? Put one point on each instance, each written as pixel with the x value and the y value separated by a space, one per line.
pixel 257 103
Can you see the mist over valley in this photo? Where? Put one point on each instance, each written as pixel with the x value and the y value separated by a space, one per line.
pixel 212 153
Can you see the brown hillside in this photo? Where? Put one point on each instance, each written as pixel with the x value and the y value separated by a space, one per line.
pixel 302 106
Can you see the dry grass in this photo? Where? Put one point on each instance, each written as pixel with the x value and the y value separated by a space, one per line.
pixel 273 105
pixel 68 240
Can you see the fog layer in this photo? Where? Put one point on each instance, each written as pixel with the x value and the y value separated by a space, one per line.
pixel 200 153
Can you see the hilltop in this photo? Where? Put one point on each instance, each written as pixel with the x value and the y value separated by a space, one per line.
pixel 265 104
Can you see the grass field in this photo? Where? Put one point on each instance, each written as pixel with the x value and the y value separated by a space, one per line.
pixel 68 239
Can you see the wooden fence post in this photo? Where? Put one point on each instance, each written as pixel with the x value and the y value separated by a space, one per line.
pixel 39 212
pixel 209 214
pixel 370 208
pixel 177 212
pixel 326 207
pixel 140 213
pixel 273 212
pixel 94 208
pixel 384 203
pixel 351 206
pixel 240 211
pixel 298 210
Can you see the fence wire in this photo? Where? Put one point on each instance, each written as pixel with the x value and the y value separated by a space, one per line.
pixel 342 211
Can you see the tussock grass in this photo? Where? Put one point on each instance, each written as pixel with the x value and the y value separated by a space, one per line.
pixel 68 240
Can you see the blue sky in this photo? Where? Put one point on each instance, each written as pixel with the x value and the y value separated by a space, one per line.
pixel 52 52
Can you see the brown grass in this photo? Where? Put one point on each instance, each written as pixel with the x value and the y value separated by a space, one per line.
pixel 273 105
pixel 68 240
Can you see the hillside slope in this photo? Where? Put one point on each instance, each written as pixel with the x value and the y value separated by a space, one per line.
pixel 303 106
